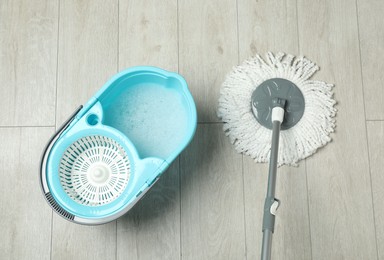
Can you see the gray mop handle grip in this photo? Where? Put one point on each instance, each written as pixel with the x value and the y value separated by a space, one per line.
pixel 270 200
pixel 268 217
pixel 271 203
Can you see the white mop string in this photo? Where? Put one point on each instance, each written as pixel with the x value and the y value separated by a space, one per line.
pixel 248 136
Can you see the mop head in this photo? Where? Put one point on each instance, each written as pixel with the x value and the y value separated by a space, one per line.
pixel 250 137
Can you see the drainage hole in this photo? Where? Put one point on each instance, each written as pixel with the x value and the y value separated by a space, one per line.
pixel 92 119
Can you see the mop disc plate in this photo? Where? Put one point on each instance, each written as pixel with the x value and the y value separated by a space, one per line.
pixel 278 88
pixel 309 117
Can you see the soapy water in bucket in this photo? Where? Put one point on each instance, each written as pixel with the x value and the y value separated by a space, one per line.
pixel 153 117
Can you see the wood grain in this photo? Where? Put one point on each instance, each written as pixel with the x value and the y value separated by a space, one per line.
pixel 267 26
pixel 87 58
pixel 74 241
pixel 87 51
pixel 340 202
pixel 25 224
pixel 148 36
pixel 272 26
pixel 372 49
pixel 28 58
pixel 212 205
pixel 78 45
pixel 207 50
pixel 376 154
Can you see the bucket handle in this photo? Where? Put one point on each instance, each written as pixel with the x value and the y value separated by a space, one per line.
pixel 43 167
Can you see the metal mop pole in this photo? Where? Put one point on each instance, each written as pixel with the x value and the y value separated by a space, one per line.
pixel 271 203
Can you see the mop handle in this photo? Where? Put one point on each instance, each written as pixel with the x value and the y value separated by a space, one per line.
pixel 271 203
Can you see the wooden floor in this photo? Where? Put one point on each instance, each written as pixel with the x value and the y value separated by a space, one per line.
pixel 55 54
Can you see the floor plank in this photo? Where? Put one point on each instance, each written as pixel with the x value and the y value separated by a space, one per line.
pixel 376 152
pixel 28 58
pixel 339 187
pixel 259 32
pixel 148 36
pixel 76 242
pixel 267 26
pixel 372 49
pixel 25 224
pixel 88 32
pixel 212 206
pixel 78 45
pixel 208 50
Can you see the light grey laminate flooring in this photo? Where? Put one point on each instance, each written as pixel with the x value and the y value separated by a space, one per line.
pixel 54 54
